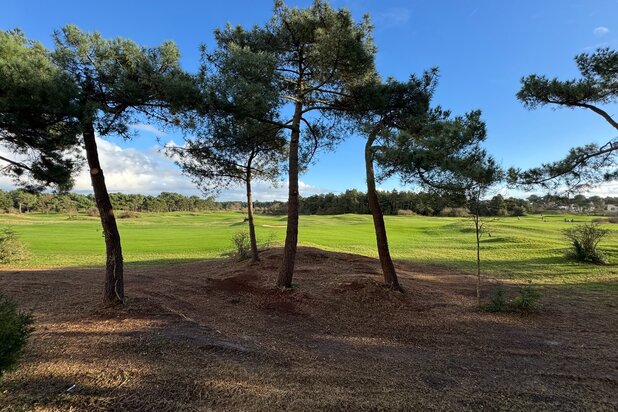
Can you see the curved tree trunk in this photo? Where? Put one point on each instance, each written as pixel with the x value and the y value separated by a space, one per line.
pixel 114 282
pixel 291 237
pixel 254 249
pixel 388 268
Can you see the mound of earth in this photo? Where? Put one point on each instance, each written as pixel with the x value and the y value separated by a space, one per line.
pixel 216 335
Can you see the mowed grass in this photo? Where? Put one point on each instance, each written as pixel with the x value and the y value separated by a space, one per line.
pixel 514 249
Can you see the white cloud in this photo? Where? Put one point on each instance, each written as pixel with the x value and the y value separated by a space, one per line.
pixel 600 31
pixel 265 191
pixel 129 170
pixel 144 127
pixel 606 189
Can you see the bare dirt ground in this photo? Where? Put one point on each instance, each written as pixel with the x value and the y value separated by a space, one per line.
pixel 216 335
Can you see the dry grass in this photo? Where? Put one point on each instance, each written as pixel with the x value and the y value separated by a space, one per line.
pixel 216 335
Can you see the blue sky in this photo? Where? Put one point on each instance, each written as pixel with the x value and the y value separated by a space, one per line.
pixel 482 47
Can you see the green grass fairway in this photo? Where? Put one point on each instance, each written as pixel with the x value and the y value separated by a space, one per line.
pixel 518 249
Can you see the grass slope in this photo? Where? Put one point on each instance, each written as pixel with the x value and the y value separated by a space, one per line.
pixel 518 249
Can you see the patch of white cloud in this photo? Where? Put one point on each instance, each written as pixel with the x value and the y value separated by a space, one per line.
pixel 150 172
pixel 129 170
pixel 145 127
pixel 604 190
pixel 266 191
pixel 600 31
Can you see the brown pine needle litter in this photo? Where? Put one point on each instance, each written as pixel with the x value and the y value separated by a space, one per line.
pixel 216 335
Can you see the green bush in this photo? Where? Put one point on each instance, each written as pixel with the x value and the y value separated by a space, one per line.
pixel 11 248
pixel 242 245
pixel 518 211
pixel 15 328
pixel 498 301
pixel 526 301
pixel 584 241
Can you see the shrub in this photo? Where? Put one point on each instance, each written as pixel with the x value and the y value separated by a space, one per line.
pixel 93 211
pixel 129 215
pixel 405 212
pixel 15 328
pixel 498 301
pixel 528 299
pixel 454 212
pixel 584 241
pixel 518 211
pixel 11 248
pixel 600 220
pixel 242 245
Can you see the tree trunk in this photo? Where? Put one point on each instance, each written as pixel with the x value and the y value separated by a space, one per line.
pixel 114 282
pixel 291 237
pixel 477 229
pixel 478 259
pixel 254 249
pixel 388 268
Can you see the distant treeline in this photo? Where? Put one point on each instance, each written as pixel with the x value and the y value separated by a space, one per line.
pixel 22 201
pixel 351 201
pixel 397 203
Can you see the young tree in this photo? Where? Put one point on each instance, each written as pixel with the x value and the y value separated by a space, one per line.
pixel 37 118
pixel 587 165
pixel 230 152
pixel 115 80
pixel 237 135
pixel 475 181
pixel 449 159
pixel 316 54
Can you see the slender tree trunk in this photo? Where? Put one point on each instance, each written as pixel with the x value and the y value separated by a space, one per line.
pixel 114 282
pixel 254 249
pixel 286 272
pixel 478 227
pixel 478 258
pixel 388 268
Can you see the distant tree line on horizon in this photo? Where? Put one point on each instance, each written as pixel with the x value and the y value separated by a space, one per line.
pixel 351 201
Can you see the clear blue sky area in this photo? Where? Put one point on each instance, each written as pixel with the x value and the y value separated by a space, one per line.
pixel 482 47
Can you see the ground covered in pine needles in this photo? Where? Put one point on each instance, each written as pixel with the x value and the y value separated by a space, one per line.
pixel 216 335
